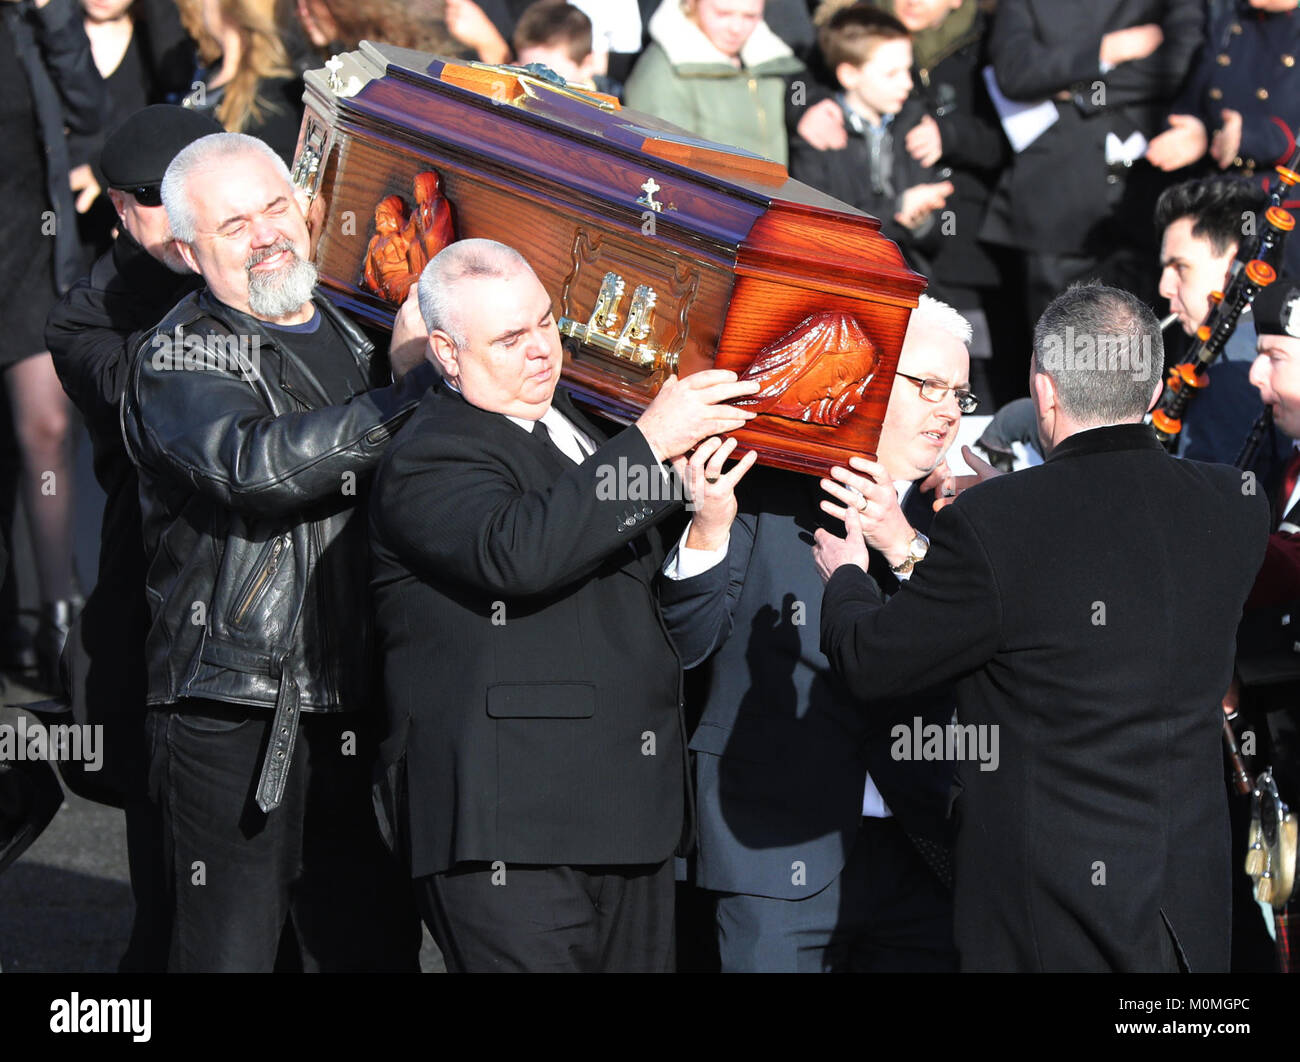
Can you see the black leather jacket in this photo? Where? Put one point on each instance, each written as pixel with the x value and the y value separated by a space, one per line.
pixel 250 489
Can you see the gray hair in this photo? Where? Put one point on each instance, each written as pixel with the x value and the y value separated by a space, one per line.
pixel 1099 346
pixel 940 315
pixel 204 153
pixel 454 263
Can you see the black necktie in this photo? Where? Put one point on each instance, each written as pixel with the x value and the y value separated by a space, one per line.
pixel 543 436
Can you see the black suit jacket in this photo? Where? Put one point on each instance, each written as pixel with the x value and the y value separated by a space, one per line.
pixel 1058 195
pixel 975 151
pixel 1087 609
pixel 91 332
pixel 782 749
pixel 531 684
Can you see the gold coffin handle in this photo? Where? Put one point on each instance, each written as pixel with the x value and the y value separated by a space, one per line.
pixel 629 345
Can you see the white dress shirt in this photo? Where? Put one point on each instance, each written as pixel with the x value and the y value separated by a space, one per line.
pixel 574 444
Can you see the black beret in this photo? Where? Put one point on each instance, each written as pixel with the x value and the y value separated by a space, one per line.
pixel 140 149
pixel 1276 309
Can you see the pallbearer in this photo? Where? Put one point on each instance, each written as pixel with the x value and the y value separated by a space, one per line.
pixel 89 333
pixel 537 754
pixel 826 852
pixel 252 420
pixel 1059 601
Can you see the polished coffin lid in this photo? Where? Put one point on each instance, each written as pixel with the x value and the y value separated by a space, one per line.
pixel 663 252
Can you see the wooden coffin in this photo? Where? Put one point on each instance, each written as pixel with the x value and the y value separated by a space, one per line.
pixel 664 253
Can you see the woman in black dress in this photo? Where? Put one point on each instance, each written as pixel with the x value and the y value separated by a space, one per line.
pixel 144 56
pixel 48 82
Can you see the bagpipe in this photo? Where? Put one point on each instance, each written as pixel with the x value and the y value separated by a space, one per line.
pixel 1271 858
pixel 1187 379
pixel 1270 844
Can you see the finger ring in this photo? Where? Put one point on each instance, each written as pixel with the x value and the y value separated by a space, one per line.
pixel 711 479
pixel 861 504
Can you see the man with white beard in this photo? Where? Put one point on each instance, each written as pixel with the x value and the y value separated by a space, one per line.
pixel 90 334
pixel 251 416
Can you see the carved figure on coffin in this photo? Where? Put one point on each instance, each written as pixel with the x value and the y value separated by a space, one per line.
pixel 405 240
pixel 388 269
pixel 818 372
pixel 429 229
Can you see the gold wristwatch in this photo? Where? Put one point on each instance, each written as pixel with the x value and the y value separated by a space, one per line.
pixel 916 550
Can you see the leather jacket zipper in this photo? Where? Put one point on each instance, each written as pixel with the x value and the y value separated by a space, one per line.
pixel 261 579
pixel 298 398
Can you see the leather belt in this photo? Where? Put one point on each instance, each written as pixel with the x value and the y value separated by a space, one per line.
pixel 279 750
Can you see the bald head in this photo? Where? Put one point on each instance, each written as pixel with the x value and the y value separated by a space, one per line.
pixel 462 260
pixel 492 332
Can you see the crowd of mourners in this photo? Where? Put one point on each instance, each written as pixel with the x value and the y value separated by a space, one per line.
pixel 892 111
pixel 1011 149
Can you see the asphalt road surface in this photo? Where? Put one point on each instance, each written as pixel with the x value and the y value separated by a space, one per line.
pixel 65 905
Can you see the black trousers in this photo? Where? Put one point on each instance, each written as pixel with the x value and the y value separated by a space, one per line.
pixel 147 948
pixel 237 876
pixel 498 917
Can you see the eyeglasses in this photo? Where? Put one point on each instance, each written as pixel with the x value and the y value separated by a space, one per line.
pixel 936 390
pixel 149 195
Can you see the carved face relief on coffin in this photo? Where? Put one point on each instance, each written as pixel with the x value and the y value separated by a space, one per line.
pixel 818 372
pixel 390 215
